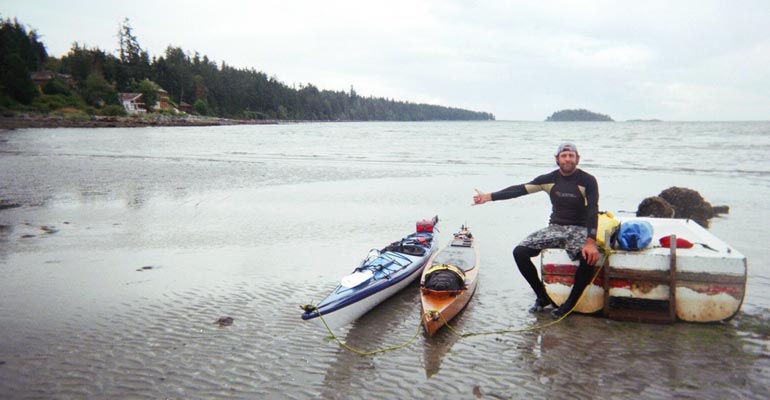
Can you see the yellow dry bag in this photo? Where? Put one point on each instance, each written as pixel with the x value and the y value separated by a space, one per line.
pixel 607 226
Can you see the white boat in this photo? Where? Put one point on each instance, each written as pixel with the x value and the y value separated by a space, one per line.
pixel 703 283
pixel 380 275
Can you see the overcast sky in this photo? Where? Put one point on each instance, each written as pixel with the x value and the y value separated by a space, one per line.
pixel 520 60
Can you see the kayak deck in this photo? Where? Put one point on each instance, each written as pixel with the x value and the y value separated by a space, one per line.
pixel 440 306
pixel 380 275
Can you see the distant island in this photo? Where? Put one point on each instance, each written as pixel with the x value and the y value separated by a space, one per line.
pixel 578 115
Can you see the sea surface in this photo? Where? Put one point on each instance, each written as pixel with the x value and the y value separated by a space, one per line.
pixel 121 247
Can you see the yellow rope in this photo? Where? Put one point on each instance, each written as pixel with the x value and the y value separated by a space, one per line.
pixel 605 249
pixel 364 352
pixel 527 329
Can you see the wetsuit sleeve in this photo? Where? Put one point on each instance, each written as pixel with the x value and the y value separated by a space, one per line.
pixel 592 206
pixel 542 182
pixel 510 192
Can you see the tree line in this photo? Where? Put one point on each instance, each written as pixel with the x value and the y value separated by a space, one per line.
pixel 90 79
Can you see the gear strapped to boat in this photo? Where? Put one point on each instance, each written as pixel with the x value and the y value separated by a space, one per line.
pixel 425 225
pixel 444 277
pixel 606 226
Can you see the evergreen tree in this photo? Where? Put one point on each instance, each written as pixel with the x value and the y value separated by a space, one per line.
pixel 129 48
pixel 200 107
pixel 97 92
pixel 57 86
pixel 14 39
pixel 149 91
pixel 20 54
pixel 135 62
pixel 81 62
pixel 16 81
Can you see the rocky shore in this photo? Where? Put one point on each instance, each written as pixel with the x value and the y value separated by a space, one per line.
pixel 53 121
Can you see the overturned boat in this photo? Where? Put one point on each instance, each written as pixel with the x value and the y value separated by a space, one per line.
pixel 380 275
pixel 685 273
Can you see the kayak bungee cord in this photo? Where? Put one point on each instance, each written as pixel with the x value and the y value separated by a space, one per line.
pixel 432 314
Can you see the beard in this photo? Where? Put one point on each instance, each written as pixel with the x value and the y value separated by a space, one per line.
pixel 567 168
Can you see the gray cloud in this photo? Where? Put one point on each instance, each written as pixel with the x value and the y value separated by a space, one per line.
pixel 685 60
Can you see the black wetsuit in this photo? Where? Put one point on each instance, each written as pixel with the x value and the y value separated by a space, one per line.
pixel 574 201
pixel 574 198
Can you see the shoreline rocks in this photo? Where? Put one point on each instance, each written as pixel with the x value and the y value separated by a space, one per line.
pixel 53 121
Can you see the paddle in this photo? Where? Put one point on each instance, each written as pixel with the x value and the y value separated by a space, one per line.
pixel 356 278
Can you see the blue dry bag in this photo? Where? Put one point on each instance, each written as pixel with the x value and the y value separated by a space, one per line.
pixel 634 235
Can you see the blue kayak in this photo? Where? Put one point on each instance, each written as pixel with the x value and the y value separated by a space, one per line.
pixel 380 275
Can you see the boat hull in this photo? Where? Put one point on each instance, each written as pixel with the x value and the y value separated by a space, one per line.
pixel 381 275
pixel 440 306
pixel 709 283
pixel 345 315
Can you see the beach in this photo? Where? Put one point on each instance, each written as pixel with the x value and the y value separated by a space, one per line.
pixel 121 248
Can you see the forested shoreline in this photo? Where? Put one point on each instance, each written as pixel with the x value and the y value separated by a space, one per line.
pixel 86 82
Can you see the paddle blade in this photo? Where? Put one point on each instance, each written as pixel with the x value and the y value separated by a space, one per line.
pixel 356 278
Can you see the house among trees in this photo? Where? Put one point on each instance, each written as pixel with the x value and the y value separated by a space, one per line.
pixel 40 78
pixel 164 101
pixel 132 102
pixel 186 107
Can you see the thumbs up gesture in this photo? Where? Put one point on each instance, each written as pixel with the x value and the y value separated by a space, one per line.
pixel 481 198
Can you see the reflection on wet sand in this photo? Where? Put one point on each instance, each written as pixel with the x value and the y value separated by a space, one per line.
pixel 652 361
pixel 435 349
pixel 393 323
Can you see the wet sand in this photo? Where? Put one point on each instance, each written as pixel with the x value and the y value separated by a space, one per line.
pixel 114 278
pixel 94 313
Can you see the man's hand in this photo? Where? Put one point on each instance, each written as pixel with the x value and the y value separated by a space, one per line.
pixel 590 252
pixel 481 198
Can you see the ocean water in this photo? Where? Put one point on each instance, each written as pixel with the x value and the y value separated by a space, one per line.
pixel 119 248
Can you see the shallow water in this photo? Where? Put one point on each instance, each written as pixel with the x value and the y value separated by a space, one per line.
pixel 127 244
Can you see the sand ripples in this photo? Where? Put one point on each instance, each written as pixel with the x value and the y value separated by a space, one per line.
pixel 171 347
pixel 78 320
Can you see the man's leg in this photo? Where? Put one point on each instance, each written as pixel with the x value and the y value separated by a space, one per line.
pixel 583 277
pixel 523 257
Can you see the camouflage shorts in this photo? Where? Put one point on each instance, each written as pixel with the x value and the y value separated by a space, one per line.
pixel 568 237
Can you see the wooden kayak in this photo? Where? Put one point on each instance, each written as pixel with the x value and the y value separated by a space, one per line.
pixel 449 281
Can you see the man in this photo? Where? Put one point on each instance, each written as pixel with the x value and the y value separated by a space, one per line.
pixel 574 213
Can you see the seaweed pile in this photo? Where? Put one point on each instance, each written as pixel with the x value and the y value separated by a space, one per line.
pixel 678 202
